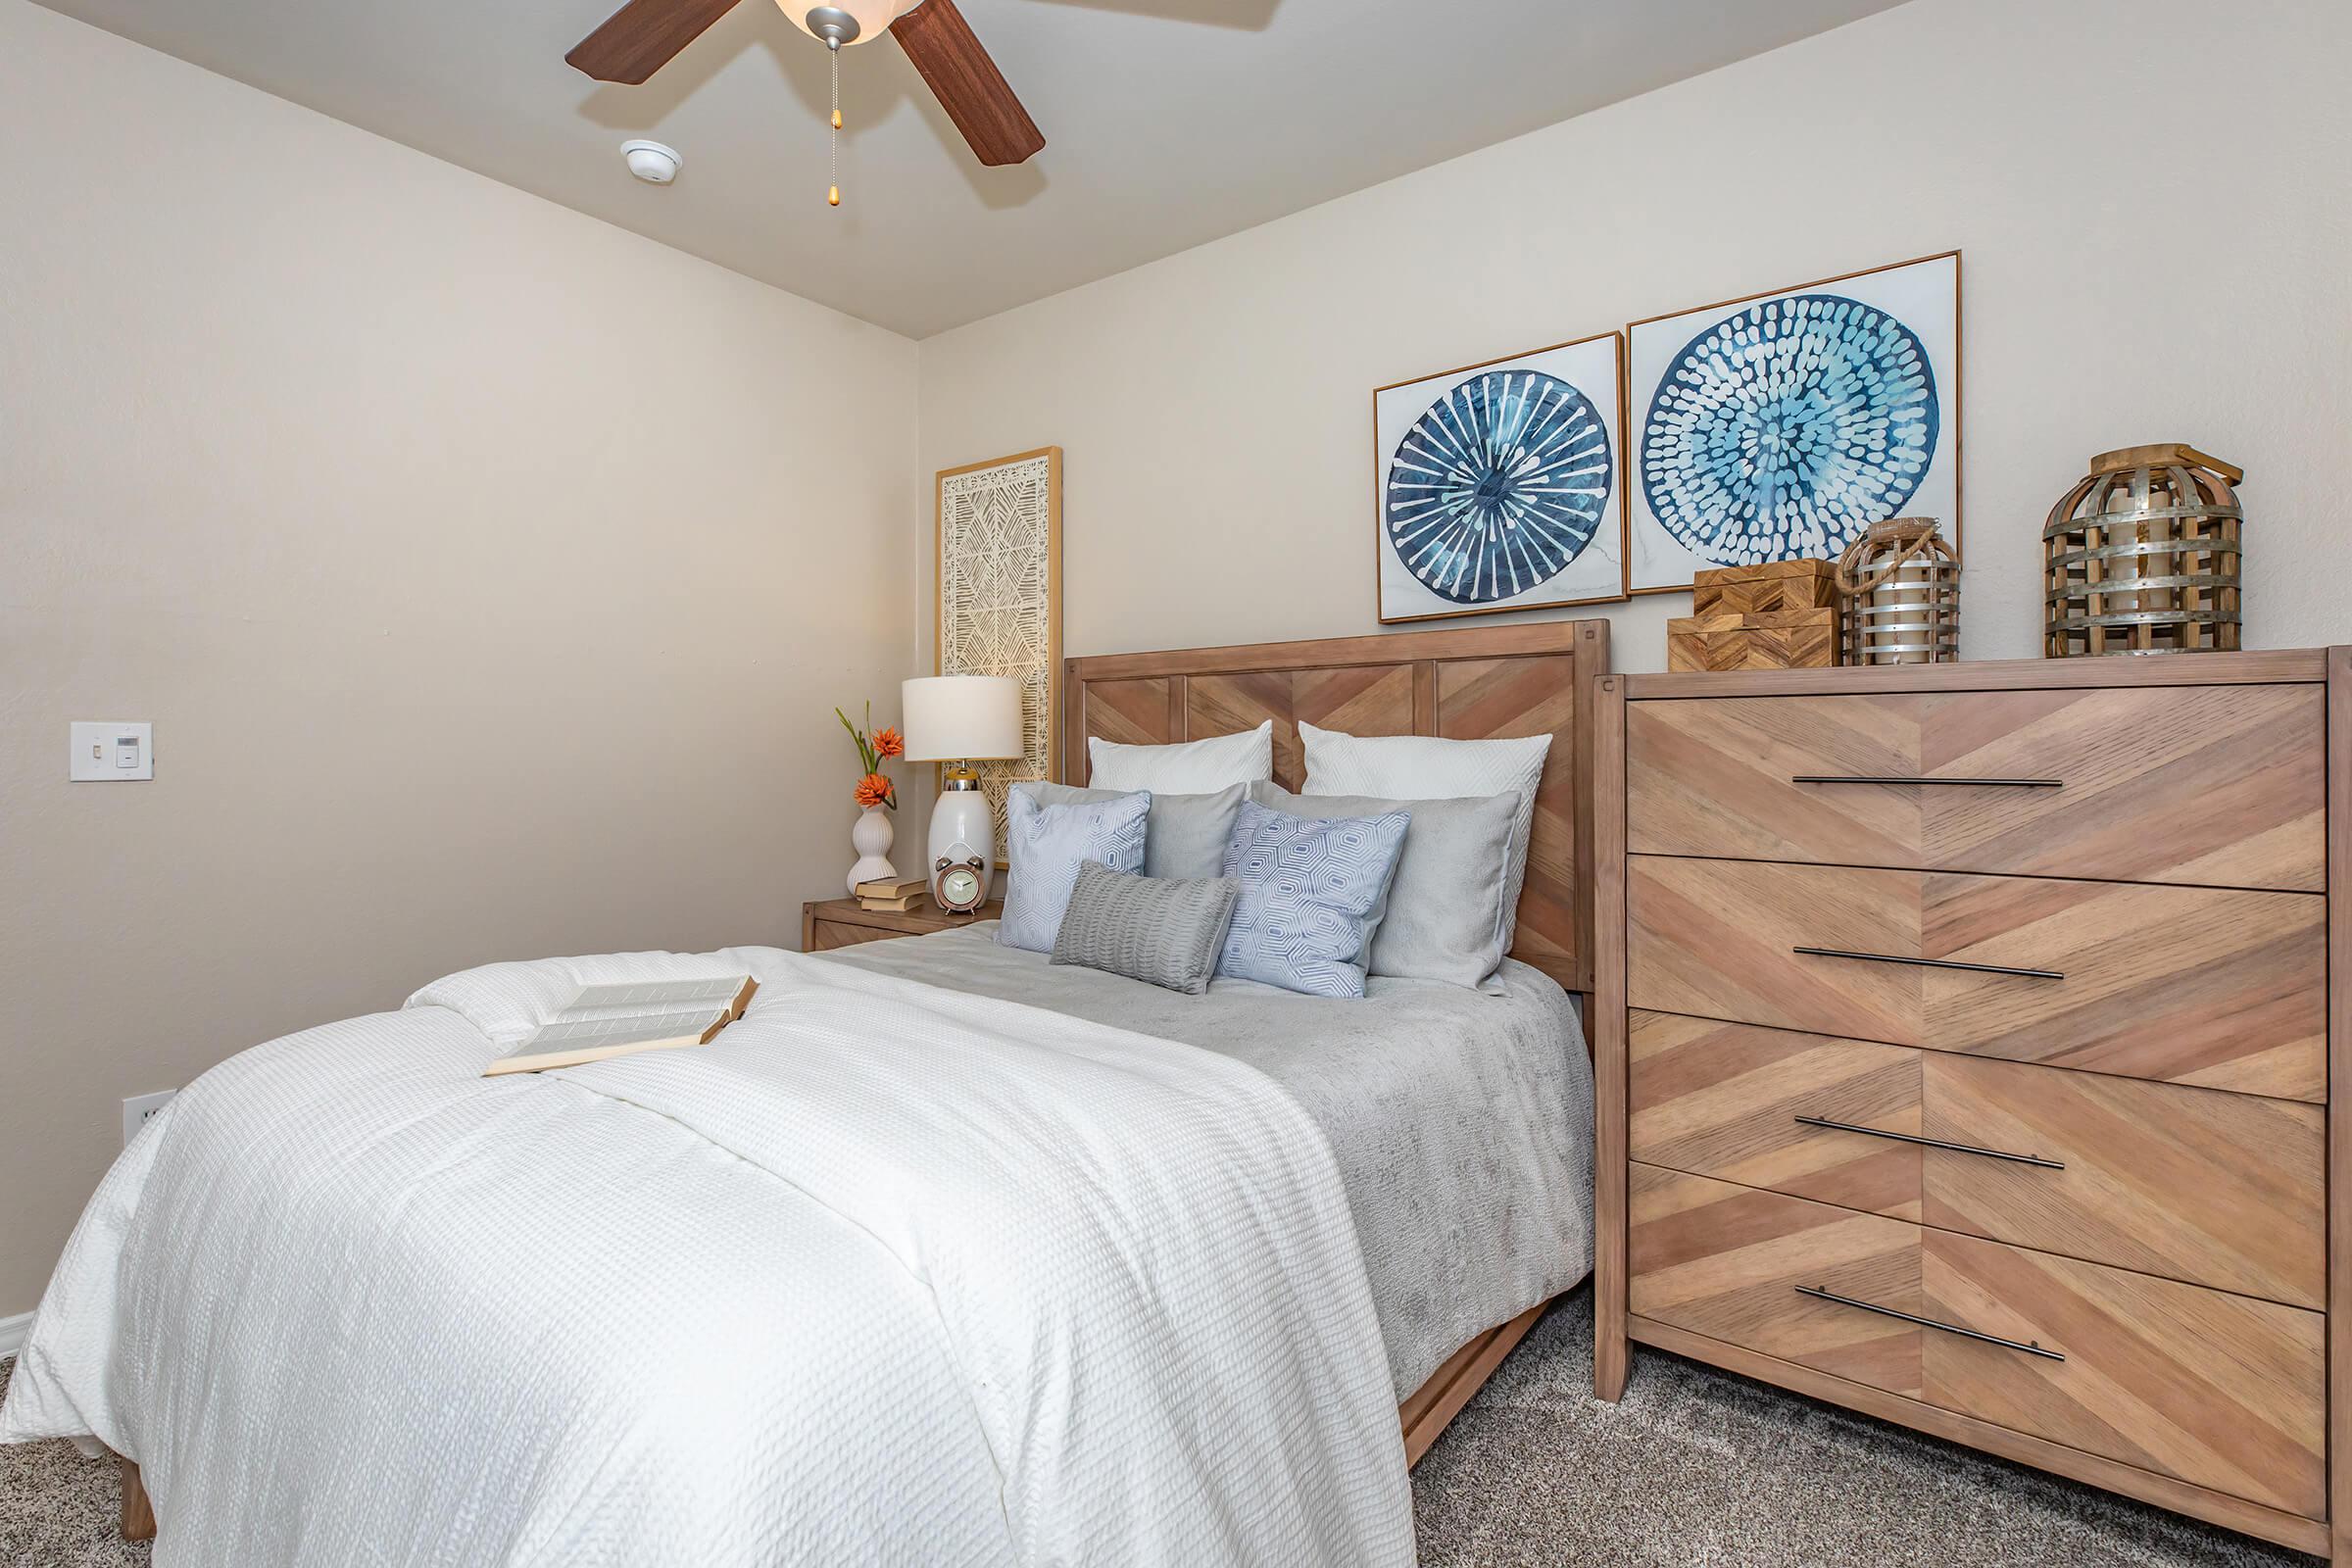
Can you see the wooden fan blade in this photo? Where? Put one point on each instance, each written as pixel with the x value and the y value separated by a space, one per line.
pixel 967 83
pixel 643 37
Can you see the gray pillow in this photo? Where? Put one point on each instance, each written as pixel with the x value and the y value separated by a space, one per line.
pixel 1186 835
pixel 1162 931
pixel 1447 917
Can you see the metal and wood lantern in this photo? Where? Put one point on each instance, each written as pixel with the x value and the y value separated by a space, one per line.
pixel 1899 589
pixel 2142 556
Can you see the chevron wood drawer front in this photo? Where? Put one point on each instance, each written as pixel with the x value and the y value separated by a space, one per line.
pixel 2215 1389
pixel 1967 1045
pixel 1723 1100
pixel 1727 1262
pixel 2212 785
pixel 2220 987
pixel 2217 1189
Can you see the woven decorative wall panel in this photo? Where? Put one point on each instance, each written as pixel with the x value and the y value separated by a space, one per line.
pixel 999 598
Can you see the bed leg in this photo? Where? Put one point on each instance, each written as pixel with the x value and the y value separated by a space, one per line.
pixel 138 1514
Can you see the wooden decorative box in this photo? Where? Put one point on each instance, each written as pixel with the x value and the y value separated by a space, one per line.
pixel 1775 587
pixel 1781 639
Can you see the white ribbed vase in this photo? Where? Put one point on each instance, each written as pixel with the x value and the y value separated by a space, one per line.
pixel 872 838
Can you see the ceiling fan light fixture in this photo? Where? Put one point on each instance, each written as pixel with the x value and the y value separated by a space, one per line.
pixel 850 21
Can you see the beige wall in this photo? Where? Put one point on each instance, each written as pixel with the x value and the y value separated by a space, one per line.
pixel 488 572
pixel 2151 196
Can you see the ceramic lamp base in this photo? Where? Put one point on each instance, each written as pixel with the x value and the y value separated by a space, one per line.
pixel 963 828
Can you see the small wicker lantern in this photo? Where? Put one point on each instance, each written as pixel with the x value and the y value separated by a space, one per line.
pixel 1899 584
pixel 2142 556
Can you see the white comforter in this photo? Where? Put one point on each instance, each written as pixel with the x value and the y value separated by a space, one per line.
pixel 884 1274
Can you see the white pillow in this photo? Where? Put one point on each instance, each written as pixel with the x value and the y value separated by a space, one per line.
pixel 1425 767
pixel 1191 767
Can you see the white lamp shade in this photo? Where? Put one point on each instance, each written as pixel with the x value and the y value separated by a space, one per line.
pixel 873 17
pixel 952 718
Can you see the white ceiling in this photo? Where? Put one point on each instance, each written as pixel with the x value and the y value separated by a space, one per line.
pixel 1167 122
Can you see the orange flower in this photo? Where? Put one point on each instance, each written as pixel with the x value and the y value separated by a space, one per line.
pixel 889 742
pixel 875 790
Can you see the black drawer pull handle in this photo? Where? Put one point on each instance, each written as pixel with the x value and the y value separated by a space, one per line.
pixel 1932 1143
pixel 1931 963
pixel 1983 783
pixel 1819 1293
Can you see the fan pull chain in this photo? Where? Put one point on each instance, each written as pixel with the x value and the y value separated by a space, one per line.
pixel 833 192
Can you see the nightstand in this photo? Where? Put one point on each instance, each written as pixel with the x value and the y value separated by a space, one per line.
pixel 841 923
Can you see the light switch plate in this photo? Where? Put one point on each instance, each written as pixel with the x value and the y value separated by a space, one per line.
pixel 108 751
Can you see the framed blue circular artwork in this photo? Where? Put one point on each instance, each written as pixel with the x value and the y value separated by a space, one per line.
pixel 1499 486
pixel 1788 428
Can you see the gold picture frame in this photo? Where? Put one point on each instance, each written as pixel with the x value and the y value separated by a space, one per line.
pixel 997 555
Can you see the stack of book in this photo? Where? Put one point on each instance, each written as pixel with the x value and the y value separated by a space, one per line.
pixel 898 896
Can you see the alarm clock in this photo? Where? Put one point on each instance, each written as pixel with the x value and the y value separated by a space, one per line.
pixel 959 886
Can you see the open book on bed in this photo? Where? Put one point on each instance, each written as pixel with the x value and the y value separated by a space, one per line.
pixel 622 1017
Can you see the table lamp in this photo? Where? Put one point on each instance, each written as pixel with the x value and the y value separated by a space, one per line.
pixel 960 720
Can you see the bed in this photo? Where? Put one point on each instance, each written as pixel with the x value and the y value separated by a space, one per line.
pixel 904 1267
pixel 1479 683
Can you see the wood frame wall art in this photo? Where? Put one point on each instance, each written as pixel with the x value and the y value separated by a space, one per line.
pixel 1501 485
pixel 1726 469
pixel 996 555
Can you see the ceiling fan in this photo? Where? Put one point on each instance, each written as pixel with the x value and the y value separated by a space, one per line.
pixel 644 35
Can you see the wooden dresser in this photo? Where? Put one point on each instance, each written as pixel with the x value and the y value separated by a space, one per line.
pixel 1965 1044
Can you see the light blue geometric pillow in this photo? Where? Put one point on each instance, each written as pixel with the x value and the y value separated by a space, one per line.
pixel 1313 891
pixel 1044 844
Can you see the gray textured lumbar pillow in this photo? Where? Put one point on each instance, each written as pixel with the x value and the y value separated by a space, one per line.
pixel 1187 833
pixel 1159 930
pixel 1446 918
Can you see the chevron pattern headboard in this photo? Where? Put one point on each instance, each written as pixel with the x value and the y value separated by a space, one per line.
pixel 1476 684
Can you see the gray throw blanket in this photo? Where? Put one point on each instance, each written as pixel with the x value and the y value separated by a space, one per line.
pixel 1462 1123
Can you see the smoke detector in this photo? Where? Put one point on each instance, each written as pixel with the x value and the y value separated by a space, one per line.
pixel 651 162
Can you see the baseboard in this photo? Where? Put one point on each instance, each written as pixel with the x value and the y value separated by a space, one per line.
pixel 13 1330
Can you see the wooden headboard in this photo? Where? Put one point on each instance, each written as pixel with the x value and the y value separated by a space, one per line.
pixel 1481 684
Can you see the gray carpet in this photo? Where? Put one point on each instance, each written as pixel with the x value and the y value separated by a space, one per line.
pixel 1694 1467
pixel 58 1508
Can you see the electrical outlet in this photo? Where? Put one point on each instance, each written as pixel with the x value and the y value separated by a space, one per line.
pixel 139 1110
